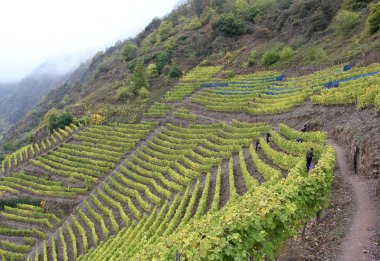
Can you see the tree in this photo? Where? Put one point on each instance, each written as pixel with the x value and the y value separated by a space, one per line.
pixel 59 120
pixel 197 4
pixel 345 22
pixel 163 59
pixel 129 51
pixel 231 24
pixel 373 20
pixel 139 79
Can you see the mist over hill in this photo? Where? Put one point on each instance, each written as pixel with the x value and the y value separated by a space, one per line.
pixel 17 99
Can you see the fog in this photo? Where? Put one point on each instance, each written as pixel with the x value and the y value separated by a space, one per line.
pixel 67 32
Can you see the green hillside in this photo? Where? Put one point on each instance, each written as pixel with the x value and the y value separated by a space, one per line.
pixel 183 141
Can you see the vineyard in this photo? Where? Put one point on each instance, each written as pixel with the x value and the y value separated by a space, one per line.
pixel 180 182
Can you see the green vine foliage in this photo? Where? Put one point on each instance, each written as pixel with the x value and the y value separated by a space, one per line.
pixel 257 224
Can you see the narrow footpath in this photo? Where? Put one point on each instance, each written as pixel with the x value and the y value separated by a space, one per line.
pixel 359 241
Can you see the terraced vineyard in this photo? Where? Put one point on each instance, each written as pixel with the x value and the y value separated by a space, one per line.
pixel 178 181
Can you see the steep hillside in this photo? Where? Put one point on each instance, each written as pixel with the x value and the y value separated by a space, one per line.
pixel 243 36
pixel 133 191
pixel 190 141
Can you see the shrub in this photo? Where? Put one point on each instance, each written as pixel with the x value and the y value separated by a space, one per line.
pixel 260 7
pixel 373 20
pixel 314 53
pixel 286 53
pixel 170 43
pixel 175 72
pixel 9 147
pixel 96 119
pixel 345 21
pixel 129 51
pixel 144 93
pixel 163 59
pixel 270 57
pixel 164 31
pixel 193 24
pixel 152 71
pixel 124 92
pixel 231 24
pixel 242 7
pixel 59 120
pixel 230 74
pixel 355 4
pixel 253 56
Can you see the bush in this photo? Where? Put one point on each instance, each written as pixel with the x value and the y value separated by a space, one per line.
pixel 193 24
pixel 124 92
pixel 96 119
pixel 286 53
pixel 231 24
pixel 9 147
pixel 152 71
pixel 253 56
pixel 270 57
pixel 144 93
pixel 355 4
pixel 175 72
pixel 230 74
pixel 59 120
pixel 373 20
pixel 260 7
pixel 345 21
pixel 314 53
pixel 170 44
pixel 163 59
pixel 129 51
pixel 164 31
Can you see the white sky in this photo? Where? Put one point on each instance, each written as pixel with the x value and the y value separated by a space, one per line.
pixel 34 31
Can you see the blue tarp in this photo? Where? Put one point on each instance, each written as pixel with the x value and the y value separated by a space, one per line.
pixel 232 92
pixel 333 84
pixel 347 67
pixel 210 85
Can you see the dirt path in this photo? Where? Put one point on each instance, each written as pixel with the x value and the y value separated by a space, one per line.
pixel 359 241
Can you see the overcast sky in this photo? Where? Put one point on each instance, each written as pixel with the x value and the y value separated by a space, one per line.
pixel 34 31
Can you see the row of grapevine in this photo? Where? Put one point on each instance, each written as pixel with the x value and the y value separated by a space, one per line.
pixel 183 113
pixel 96 151
pixel 33 224
pixel 22 155
pixel 363 92
pixel 137 241
pixel 157 110
pixel 200 74
pixel 264 95
pixel 253 98
pixel 180 91
pixel 256 224
pixel 151 177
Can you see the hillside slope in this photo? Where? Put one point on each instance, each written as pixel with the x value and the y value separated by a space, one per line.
pixel 194 32
pixel 182 162
pixel 185 140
